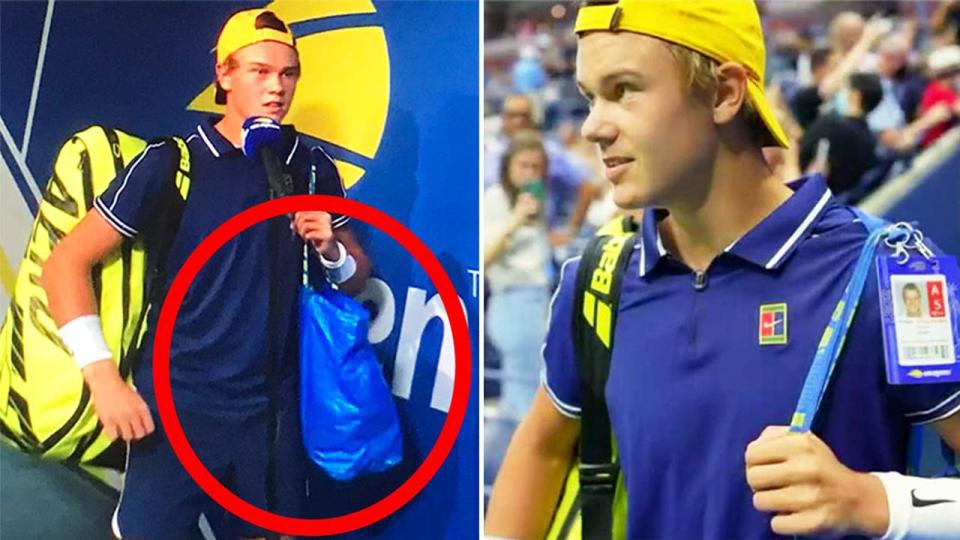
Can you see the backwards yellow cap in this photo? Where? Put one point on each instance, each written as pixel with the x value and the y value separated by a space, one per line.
pixel 724 30
pixel 246 28
pixel 251 26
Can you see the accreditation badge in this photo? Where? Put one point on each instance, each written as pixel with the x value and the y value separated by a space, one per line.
pixel 919 309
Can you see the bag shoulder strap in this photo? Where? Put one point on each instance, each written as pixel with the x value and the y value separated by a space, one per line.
pixel 872 223
pixel 173 202
pixel 598 282
pixel 597 296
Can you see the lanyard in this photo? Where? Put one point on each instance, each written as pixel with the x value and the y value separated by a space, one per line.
pixel 897 236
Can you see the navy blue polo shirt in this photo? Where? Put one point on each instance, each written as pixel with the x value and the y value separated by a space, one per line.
pixel 218 356
pixel 691 385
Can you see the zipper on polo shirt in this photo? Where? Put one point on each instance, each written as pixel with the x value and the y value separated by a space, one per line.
pixel 700 280
pixel 699 285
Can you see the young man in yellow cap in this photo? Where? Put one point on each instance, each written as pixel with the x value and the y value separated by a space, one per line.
pixel 225 380
pixel 705 369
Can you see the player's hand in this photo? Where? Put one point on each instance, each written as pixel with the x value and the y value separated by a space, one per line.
pixel 316 227
pixel 798 478
pixel 119 407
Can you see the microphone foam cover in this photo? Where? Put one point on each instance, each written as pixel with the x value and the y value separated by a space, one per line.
pixel 259 131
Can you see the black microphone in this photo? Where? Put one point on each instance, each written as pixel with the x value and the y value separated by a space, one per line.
pixel 281 184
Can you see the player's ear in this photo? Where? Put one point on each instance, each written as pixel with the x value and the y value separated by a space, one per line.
pixel 224 73
pixel 731 94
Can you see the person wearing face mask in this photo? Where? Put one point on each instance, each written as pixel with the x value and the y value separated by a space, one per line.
pixel 943 90
pixel 516 260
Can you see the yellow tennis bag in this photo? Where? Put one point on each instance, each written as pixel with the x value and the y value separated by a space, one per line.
pixel 45 407
pixel 593 503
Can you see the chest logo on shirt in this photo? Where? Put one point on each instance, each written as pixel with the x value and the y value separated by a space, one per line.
pixel 773 324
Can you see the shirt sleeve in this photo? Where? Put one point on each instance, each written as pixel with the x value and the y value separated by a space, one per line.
pixel 933 95
pixel 329 181
pixel 565 167
pixel 560 377
pixel 921 403
pixel 130 200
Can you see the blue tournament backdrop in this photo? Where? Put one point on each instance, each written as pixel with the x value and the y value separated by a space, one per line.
pixel 389 89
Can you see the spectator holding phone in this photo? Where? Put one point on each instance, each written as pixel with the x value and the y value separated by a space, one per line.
pixel 516 261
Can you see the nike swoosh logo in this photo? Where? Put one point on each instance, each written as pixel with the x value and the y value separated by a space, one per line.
pixel 771 325
pixel 920 503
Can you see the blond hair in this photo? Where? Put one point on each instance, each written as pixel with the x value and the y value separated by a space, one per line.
pixel 700 74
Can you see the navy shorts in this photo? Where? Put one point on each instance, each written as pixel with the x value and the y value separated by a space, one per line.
pixel 160 501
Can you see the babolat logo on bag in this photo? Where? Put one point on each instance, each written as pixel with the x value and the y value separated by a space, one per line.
pixel 596 304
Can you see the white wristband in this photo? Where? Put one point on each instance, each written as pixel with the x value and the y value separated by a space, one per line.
pixel 921 507
pixel 343 268
pixel 84 338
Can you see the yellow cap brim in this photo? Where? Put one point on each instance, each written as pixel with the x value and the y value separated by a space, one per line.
pixel 759 98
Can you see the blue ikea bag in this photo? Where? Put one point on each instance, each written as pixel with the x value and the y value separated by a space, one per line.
pixel 350 423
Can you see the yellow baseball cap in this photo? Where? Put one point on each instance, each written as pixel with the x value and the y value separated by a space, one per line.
pixel 724 30
pixel 251 26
